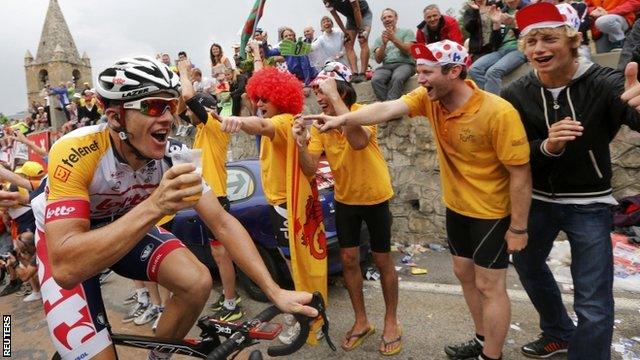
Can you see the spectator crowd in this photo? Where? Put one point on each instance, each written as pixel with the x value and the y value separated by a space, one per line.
pixel 477 50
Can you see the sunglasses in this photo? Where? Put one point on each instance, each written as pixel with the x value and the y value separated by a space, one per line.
pixel 263 100
pixel 153 106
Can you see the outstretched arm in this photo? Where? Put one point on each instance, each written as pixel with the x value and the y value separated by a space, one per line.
pixel 252 125
pixel 370 115
pixel 19 136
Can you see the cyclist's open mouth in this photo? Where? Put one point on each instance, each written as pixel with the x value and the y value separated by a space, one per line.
pixel 161 135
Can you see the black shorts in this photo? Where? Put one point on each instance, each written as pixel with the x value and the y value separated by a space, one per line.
pixel 280 225
pixel 26 222
pixel 349 223
pixel 478 239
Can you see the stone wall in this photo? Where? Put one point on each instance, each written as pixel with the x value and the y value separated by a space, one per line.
pixel 410 152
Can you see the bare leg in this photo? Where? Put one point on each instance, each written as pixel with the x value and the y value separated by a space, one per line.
pixel 389 281
pixel 35 284
pixel 496 308
pixel 464 270
pixel 353 282
pixel 364 52
pixel 350 52
pixel 190 287
pixel 227 271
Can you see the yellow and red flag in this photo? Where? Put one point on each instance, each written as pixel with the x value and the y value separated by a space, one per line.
pixel 307 241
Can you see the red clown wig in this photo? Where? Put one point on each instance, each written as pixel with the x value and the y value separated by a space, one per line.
pixel 279 88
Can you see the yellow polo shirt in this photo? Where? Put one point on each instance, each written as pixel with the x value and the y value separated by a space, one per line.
pixel 273 160
pixel 361 176
pixel 214 144
pixel 474 143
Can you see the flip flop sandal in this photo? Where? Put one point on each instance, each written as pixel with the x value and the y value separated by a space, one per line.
pixel 360 337
pixel 387 343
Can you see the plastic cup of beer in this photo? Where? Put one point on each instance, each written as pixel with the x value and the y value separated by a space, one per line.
pixel 189 156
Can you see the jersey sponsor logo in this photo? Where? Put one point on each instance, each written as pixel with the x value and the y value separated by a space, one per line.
pixel 122 203
pixel 146 252
pixel 61 173
pixel 79 152
pixel 59 211
pixel 75 209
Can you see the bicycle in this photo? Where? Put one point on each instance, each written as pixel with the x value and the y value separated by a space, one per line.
pixel 239 336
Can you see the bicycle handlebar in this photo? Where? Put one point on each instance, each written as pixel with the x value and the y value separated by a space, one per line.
pixel 236 340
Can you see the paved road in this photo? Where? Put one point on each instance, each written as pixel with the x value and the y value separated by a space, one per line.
pixel 431 311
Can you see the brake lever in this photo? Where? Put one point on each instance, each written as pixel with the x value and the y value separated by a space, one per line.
pixel 318 302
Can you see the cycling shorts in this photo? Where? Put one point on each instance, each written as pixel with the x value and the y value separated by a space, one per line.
pixel 478 239
pixel 76 318
pixel 349 220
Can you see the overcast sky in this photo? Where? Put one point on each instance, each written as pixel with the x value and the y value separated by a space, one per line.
pixel 111 29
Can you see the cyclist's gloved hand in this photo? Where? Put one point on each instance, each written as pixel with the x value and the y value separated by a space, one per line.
pixel 294 302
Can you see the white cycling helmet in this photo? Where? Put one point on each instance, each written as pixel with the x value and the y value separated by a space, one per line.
pixel 133 78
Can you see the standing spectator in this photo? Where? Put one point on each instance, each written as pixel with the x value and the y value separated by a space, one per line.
pixel 42 119
pixel 393 50
pixel 71 89
pixel 279 96
pixel 329 46
pixel 89 111
pixel 202 83
pixel 362 193
pixel 61 92
pixel 571 110
pixel 237 84
pixel 611 20
pixel 236 55
pixel 166 59
pixel 214 144
pixel 309 34
pixel 217 58
pixel 359 19
pixel 631 49
pixel 437 27
pixel 489 70
pixel 298 65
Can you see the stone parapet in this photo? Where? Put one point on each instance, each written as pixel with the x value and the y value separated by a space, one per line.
pixel 410 152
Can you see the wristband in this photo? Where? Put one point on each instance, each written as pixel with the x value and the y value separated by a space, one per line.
pixel 518 231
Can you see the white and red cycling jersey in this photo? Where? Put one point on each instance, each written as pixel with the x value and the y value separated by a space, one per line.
pixel 88 179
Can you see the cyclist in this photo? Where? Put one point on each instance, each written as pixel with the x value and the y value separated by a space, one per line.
pixel 108 186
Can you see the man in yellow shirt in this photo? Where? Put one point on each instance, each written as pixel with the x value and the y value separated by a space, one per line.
pixel 486 181
pixel 214 144
pixel 278 96
pixel 362 192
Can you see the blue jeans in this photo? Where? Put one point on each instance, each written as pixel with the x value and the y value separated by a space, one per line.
pixel 489 70
pixel 588 229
